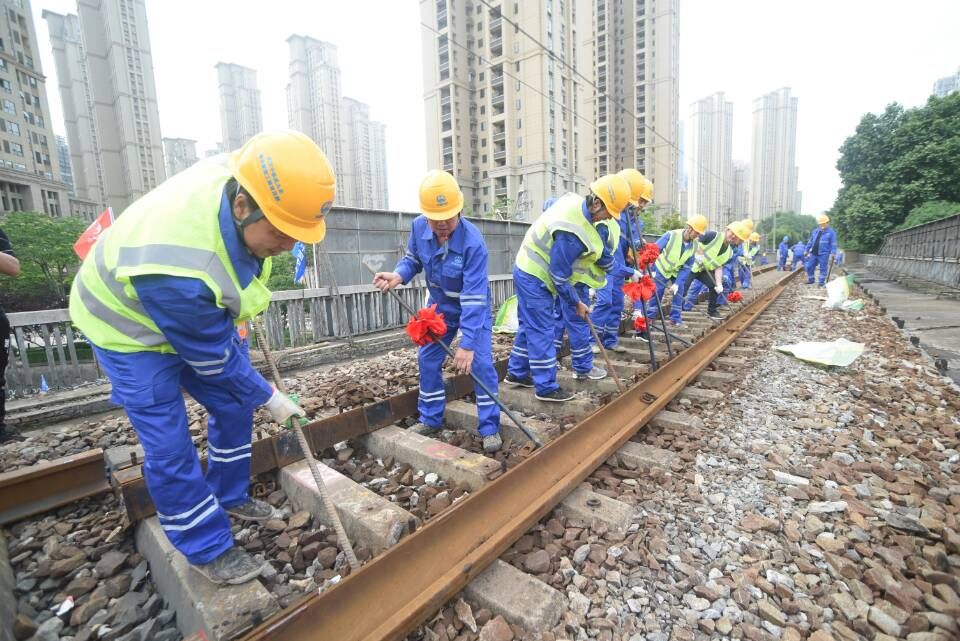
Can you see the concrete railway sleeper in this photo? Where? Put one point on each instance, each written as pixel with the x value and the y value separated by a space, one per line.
pixel 382 472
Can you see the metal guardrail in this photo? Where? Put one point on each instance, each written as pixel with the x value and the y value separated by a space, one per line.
pixel 45 343
pixel 938 240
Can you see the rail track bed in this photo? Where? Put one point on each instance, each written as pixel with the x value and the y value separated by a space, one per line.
pixel 735 493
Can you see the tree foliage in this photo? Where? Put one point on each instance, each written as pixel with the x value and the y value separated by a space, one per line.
pixel 894 163
pixel 796 226
pixel 44 246
pixel 928 212
pixel 281 274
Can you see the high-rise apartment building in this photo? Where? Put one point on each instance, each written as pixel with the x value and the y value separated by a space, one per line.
pixel 773 184
pixel 105 69
pixel 63 160
pixel 710 185
pixel 502 108
pixel 947 85
pixel 365 175
pixel 240 114
pixel 341 126
pixel 635 47
pixel 29 169
pixel 740 208
pixel 178 154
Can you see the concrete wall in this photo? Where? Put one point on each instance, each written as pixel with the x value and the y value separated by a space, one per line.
pixel 946 273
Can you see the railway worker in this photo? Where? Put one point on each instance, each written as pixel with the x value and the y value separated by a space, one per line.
pixel 747 260
pixel 609 305
pixel 796 254
pixel 161 297
pixel 9 266
pixel 451 252
pixel 561 243
pixel 718 250
pixel 672 267
pixel 782 249
pixel 822 245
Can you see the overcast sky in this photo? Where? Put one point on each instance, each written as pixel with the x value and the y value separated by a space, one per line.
pixel 841 58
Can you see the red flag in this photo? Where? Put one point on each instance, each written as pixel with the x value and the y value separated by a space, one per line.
pixel 640 324
pixel 89 237
pixel 734 297
pixel 426 326
pixel 644 289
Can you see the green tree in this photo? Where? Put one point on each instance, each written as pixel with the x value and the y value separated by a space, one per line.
pixel 502 208
pixel 928 212
pixel 894 163
pixel 281 274
pixel 44 246
pixel 796 226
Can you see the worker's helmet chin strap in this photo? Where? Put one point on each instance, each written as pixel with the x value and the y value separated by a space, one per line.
pixel 251 218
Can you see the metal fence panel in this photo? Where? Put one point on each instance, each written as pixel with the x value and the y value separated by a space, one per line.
pixel 938 240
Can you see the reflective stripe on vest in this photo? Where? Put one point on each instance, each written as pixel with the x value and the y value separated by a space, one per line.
pixel 673 257
pixel 712 257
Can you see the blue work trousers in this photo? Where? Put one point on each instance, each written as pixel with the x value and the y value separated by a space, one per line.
pixel 653 305
pixel 745 275
pixel 581 338
pixel 534 354
pixel 190 503
pixel 797 261
pixel 782 261
pixel 607 310
pixel 812 262
pixel 432 400
pixel 698 287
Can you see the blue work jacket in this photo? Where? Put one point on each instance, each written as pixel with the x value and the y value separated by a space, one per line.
pixel 456 275
pixel 828 242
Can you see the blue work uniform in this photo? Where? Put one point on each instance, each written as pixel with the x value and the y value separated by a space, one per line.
pixel 213 364
pixel 798 251
pixel 782 250
pixel 456 275
pixel 822 243
pixel 534 353
pixel 727 277
pixel 681 280
pixel 609 304
pixel 565 319
pixel 839 258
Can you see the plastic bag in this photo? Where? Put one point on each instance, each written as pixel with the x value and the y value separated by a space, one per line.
pixel 507 321
pixel 839 353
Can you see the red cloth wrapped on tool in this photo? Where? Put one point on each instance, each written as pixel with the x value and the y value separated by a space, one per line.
pixel 426 326
pixel 648 255
pixel 642 290
pixel 734 297
pixel 640 324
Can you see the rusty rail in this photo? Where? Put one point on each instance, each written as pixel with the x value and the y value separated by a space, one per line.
pixel 416 576
pixel 42 487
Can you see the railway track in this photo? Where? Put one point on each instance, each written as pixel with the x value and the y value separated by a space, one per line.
pixel 499 500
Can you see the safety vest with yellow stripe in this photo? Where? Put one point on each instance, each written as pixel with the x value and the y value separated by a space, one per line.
pixel 173 230
pixel 674 255
pixel 712 256
pixel 594 274
pixel 564 215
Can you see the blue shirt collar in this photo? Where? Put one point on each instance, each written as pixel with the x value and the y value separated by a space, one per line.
pixel 586 212
pixel 245 265
pixel 456 240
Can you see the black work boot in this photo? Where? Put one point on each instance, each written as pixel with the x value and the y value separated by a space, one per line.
pixel 252 510
pixel 233 567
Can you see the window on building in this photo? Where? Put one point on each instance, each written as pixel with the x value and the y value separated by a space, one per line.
pixel 13 128
pixel 5 85
pixel 16 149
pixel 9 107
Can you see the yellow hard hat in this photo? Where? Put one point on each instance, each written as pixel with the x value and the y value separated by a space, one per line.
pixel 440 196
pixel 291 180
pixel 613 191
pixel 647 193
pixel 635 179
pixel 748 224
pixel 739 229
pixel 698 222
pixel 754 237
pixel 822 219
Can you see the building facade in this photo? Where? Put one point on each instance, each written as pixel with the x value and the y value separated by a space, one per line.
pixel 710 167
pixel 105 67
pixel 947 85
pixel 30 177
pixel 178 154
pixel 63 159
pixel 240 113
pixel 503 112
pixel 773 183
pixel 365 175
pixel 740 207
pixel 635 53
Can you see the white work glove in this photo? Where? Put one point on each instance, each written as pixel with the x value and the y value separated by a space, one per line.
pixel 282 408
pixel 636 276
pixel 674 289
pixel 718 288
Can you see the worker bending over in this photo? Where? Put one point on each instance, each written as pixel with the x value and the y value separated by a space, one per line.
pixel 560 244
pixel 161 297
pixel 782 250
pixel 822 244
pixel 609 306
pixel 718 250
pixel 747 259
pixel 672 267
pixel 450 250
pixel 796 253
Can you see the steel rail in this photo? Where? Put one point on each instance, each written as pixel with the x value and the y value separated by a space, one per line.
pixel 390 596
pixel 38 488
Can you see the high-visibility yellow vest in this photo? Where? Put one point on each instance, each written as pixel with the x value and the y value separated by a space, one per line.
pixel 592 274
pixel 712 256
pixel 173 230
pixel 564 215
pixel 673 256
